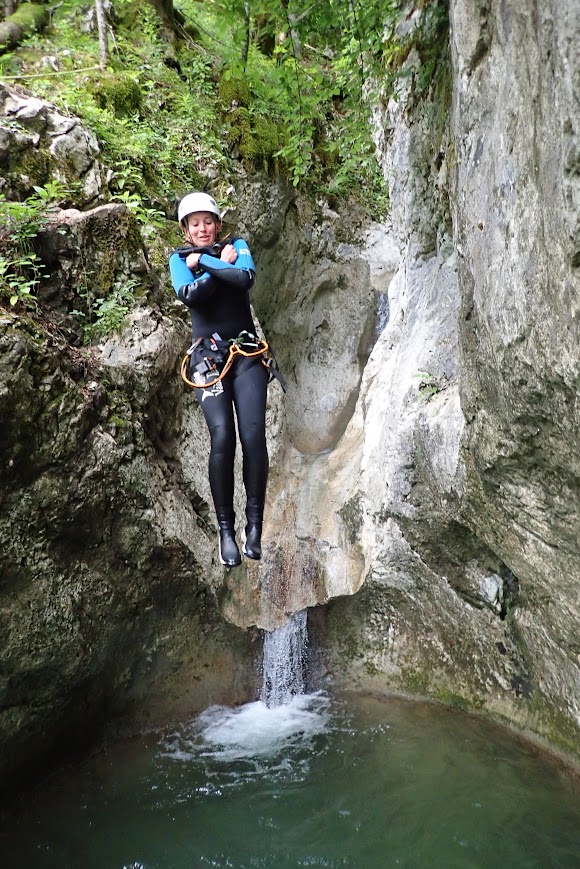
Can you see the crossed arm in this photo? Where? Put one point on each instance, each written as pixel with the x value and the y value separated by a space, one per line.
pixel 235 267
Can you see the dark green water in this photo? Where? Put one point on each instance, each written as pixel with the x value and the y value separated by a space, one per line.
pixel 353 782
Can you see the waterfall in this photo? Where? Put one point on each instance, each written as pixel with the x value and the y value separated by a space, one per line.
pixel 284 661
pixel 283 720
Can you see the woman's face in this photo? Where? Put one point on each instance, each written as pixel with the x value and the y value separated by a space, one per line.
pixel 202 228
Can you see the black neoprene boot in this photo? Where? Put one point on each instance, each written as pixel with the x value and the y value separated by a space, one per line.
pixel 229 552
pixel 253 543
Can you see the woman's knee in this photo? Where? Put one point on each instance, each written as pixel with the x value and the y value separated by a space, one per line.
pixel 253 438
pixel 222 438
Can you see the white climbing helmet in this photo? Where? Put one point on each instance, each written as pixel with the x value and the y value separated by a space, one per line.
pixel 197 202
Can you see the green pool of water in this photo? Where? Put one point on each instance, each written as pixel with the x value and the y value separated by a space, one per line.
pixel 353 782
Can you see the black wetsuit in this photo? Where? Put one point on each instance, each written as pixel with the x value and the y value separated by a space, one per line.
pixel 218 298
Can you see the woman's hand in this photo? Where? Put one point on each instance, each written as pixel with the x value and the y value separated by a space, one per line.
pixel 192 261
pixel 229 254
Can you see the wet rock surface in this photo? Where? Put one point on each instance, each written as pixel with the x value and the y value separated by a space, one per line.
pixel 108 611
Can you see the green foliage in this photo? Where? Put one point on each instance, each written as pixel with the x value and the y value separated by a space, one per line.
pixel 19 277
pixel 127 187
pixel 429 384
pixel 303 72
pixel 20 222
pixel 416 57
pixel 107 316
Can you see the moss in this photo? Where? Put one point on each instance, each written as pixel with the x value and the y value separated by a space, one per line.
pixel 371 669
pixel 239 126
pixel 27 19
pixel 450 698
pixel 266 137
pixel 120 232
pixel 32 164
pixel 556 728
pixel 30 17
pixel 565 737
pixel 120 410
pixel 414 681
pixel 342 630
pixel 118 92
pixel 118 421
pixel 348 645
pixel 257 138
pixel 157 258
pixel 233 91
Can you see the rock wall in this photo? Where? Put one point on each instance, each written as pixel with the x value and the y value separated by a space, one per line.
pixel 108 565
pixel 320 295
pixel 461 480
pixel 110 585
pixel 423 470
pixel 516 125
pixel 38 143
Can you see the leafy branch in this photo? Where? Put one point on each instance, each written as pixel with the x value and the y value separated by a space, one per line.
pixel 21 269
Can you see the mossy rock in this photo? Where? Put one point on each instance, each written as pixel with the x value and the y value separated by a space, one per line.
pixel 240 126
pixel 266 137
pixel 118 92
pixel 233 91
pixel 28 18
pixel 28 169
pixel 256 138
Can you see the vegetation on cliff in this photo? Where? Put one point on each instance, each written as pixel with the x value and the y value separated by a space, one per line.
pixel 205 94
pixel 207 89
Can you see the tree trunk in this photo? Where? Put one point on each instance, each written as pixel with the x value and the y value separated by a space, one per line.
pixel 167 15
pixel 103 40
pixel 294 38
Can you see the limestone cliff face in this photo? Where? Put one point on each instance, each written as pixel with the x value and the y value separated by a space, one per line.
pixel 462 453
pixel 429 491
pixel 516 125
pixel 115 607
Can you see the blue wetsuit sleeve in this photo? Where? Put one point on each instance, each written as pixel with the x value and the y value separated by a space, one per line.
pixel 180 273
pixel 241 273
pixel 190 289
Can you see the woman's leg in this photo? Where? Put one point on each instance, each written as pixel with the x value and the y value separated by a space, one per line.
pixel 250 386
pixel 216 404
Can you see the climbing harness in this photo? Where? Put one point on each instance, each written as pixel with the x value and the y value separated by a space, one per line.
pixel 220 358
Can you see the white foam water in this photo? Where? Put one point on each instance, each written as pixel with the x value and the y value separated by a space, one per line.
pixel 256 729
pixel 285 718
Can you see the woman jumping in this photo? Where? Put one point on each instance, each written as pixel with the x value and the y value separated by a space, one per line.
pixel 213 279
